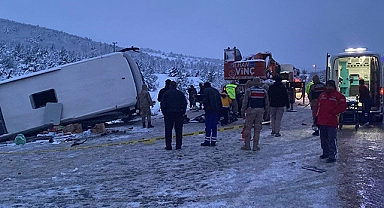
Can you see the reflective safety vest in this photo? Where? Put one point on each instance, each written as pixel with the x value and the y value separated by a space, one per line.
pixel 231 90
pixel 308 87
pixel 257 97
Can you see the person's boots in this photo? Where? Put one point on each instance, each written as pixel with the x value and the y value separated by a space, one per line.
pixel 256 142
pixel 144 125
pixel 150 125
pixel 207 142
pixel 213 141
pixel 316 133
pixel 247 144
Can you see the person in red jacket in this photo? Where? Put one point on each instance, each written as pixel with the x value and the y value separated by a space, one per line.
pixel 328 107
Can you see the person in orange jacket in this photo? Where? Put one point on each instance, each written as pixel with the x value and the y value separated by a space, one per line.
pixel 328 107
pixel 226 102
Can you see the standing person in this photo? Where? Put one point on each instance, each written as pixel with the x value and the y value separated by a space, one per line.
pixel 192 92
pixel 173 106
pixel 212 107
pixel 278 98
pixel 314 92
pixel 239 99
pixel 328 107
pixel 267 112
pixel 144 101
pixel 226 102
pixel 365 99
pixel 254 104
pixel 231 89
pixel 200 96
pixel 248 84
pixel 163 90
pixel 308 86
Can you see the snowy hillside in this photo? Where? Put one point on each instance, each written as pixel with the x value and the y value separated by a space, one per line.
pixel 27 48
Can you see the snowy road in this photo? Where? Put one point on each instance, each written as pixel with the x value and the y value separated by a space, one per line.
pixel 123 170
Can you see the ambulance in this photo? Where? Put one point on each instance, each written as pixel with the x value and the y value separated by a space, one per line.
pixel 352 65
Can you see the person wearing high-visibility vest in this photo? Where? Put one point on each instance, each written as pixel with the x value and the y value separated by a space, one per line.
pixel 308 87
pixel 231 90
pixel 226 102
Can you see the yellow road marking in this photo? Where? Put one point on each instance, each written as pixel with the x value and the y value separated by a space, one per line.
pixel 145 141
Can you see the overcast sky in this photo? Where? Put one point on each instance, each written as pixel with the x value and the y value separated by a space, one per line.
pixel 299 32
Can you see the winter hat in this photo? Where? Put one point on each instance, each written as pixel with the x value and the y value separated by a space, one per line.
pixel 331 83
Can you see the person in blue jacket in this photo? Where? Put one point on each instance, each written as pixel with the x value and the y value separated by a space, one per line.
pixel 212 107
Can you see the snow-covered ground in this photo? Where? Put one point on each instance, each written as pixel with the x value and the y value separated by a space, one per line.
pixel 130 168
pixel 161 81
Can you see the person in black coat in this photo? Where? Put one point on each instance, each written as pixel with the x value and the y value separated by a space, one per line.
pixel 173 105
pixel 212 107
pixel 278 98
pixel 192 92
pixel 163 90
pixel 199 97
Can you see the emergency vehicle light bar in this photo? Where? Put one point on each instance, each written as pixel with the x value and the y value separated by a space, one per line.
pixel 350 50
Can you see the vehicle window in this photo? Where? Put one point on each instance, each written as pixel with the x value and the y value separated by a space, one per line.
pixel 40 99
pixel 229 56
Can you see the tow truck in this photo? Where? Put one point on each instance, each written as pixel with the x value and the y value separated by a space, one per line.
pixel 259 65
pixel 237 68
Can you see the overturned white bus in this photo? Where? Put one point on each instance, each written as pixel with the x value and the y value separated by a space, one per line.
pixel 97 89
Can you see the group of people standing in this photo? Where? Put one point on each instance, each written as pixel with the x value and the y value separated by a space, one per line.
pixel 173 105
pixel 327 104
pixel 327 107
pixel 194 97
pixel 259 102
pixel 256 102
